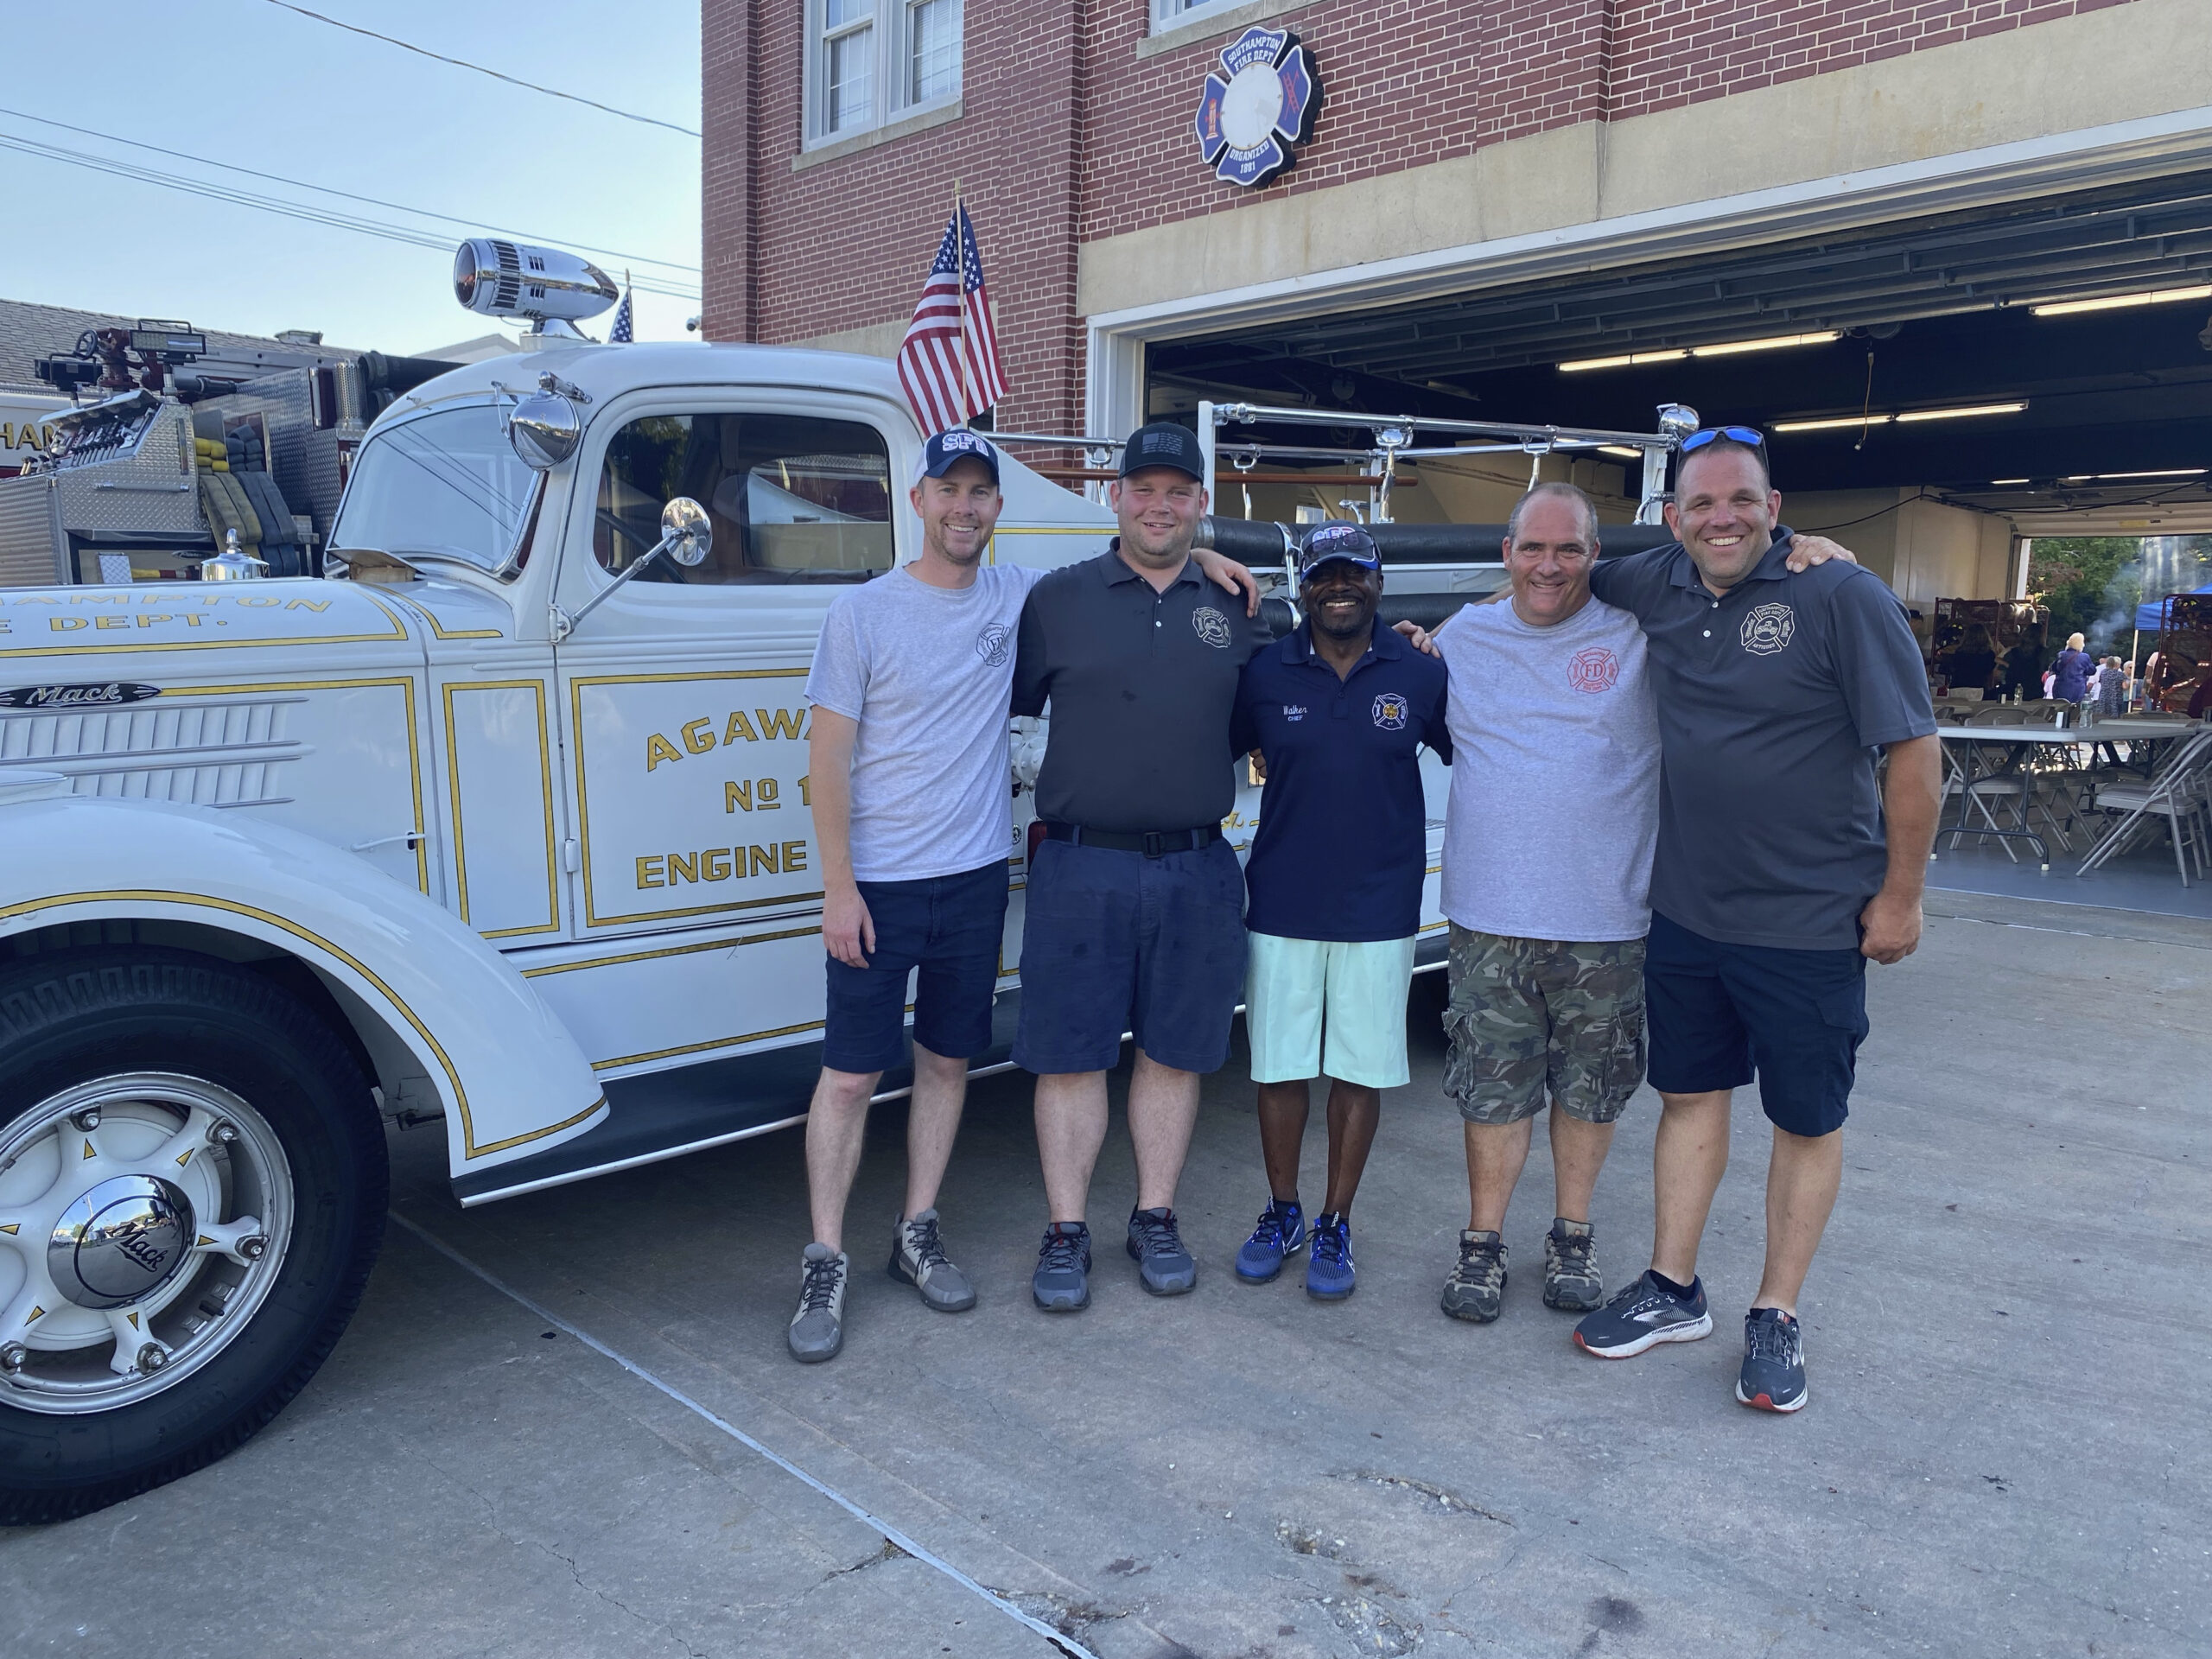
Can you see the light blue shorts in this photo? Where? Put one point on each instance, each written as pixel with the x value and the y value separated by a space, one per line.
pixel 1318 1008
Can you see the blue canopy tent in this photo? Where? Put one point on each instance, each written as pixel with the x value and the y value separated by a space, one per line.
pixel 2151 614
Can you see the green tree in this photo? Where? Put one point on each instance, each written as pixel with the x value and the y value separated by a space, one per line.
pixel 2091 584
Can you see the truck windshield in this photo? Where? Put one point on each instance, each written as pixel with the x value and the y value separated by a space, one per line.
pixel 445 484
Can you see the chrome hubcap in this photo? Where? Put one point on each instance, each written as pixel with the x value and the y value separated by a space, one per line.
pixel 144 1219
pixel 120 1243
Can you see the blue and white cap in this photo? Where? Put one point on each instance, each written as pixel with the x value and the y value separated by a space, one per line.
pixel 958 444
pixel 1338 541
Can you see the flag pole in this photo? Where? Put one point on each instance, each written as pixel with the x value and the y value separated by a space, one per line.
pixel 960 288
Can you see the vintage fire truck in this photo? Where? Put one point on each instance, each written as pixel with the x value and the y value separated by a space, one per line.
pixel 500 823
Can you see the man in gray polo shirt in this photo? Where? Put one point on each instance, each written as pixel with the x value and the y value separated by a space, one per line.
pixel 1781 868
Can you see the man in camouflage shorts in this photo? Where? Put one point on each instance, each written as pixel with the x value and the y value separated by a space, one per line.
pixel 1546 879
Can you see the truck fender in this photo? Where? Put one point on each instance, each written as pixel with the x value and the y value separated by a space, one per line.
pixel 428 997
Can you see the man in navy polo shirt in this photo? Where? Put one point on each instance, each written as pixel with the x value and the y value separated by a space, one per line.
pixel 1339 712
pixel 1781 868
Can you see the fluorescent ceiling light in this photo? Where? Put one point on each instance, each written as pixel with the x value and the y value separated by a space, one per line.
pixel 2100 477
pixel 1620 449
pixel 1830 425
pixel 1962 412
pixel 2116 301
pixel 1994 482
pixel 1733 347
pixel 1622 362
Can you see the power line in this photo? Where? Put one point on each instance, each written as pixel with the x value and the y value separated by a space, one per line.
pixel 463 63
pixel 327 190
pixel 302 210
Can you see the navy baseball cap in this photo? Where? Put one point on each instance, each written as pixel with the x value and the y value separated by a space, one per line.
pixel 1164 443
pixel 1338 541
pixel 958 444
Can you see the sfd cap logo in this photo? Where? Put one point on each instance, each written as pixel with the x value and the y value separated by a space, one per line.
pixel 1767 628
pixel 1390 712
pixel 1593 671
pixel 1212 626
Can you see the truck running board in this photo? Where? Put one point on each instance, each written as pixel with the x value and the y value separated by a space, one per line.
pixel 666 1113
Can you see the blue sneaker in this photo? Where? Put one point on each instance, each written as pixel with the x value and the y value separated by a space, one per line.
pixel 1282 1232
pixel 1773 1378
pixel 1329 1273
pixel 1062 1281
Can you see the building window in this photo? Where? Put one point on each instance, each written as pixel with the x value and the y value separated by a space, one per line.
pixel 873 62
pixel 1165 14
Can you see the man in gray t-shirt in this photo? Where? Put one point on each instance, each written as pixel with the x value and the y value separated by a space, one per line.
pixel 1547 871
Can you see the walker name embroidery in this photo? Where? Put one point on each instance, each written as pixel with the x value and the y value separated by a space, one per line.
pixel 993 644
pixel 1212 626
pixel 1767 629
pixel 1294 712
pixel 1390 711
pixel 1593 671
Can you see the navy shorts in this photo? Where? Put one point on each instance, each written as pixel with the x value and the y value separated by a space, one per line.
pixel 1718 1011
pixel 1115 942
pixel 950 928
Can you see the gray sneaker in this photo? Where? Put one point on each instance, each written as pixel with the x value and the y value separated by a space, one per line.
pixel 1570 1277
pixel 918 1259
pixel 818 1328
pixel 1476 1290
pixel 1156 1242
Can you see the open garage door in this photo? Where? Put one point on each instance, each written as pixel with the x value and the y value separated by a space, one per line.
pixel 1947 386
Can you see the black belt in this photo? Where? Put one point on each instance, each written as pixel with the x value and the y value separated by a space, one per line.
pixel 1153 843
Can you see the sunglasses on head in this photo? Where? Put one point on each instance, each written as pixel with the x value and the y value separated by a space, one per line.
pixel 1751 435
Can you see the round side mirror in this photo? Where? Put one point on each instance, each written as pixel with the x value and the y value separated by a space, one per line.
pixel 690 537
pixel 544 430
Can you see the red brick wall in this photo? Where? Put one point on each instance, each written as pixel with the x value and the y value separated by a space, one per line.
pixel 1067 136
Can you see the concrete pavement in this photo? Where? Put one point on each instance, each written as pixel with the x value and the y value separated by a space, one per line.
pixel 2005 1451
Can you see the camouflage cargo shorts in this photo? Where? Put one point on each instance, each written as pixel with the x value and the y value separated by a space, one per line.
pixel 1528 1016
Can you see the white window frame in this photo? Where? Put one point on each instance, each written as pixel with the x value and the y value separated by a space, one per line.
pixel 1167 14
pixel 892 24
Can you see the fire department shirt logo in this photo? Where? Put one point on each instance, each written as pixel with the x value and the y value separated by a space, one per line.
pixel 993 644
pixel 1260 103
pixel 1212 626
pixel 1767 628
pixel 1390 712
pixel 1592 670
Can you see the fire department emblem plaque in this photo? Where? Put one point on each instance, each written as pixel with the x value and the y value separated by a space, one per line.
pixel 1258 107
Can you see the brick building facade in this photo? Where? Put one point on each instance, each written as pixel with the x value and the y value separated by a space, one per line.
pixel 1070 137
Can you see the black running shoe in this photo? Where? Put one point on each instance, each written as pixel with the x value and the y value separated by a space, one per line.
pixel 1643 1316
pixel 1062 1282
pixel 1773 1378
pixel 1156 1245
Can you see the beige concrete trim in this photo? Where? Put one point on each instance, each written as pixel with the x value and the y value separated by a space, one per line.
pixel 876 339
pixel 1211 22
pixel 2149 59
pixel 889 132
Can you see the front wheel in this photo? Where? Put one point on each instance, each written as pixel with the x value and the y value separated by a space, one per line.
pixel 192 1191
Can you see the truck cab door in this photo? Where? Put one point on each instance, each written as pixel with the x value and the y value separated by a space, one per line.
pixel 696 877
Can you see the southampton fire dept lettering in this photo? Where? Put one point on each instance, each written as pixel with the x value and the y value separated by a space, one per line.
pixel 722 864
pixel 697 736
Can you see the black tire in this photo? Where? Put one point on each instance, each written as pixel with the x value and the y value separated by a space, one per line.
pixel 73 1016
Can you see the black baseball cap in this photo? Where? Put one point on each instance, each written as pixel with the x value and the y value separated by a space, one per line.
pixel 1164 443
pixel 958 444
pixel 1328 542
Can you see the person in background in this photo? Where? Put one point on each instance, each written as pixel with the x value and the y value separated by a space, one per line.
pixel 2069 678
pixel 1974 663
pixel 1338 712
pixel 2111 691
pixel 2023 679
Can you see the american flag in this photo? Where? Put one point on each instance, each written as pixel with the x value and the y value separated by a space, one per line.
pixel 951 372
pixel 620 335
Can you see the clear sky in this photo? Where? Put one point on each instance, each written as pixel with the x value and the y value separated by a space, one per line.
pixel 248 83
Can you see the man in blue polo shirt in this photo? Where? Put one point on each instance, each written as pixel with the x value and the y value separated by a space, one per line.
pixel 1339 712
